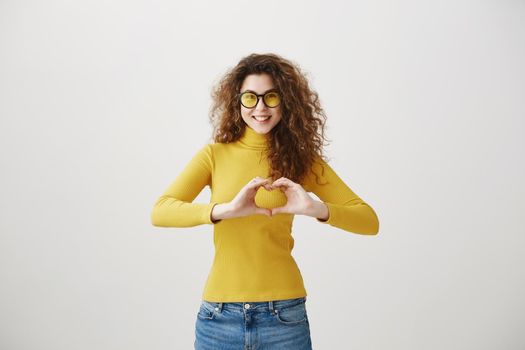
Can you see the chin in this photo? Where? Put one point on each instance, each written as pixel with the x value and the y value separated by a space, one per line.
pixel 261 129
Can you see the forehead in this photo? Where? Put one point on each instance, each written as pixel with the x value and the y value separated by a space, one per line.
pixel 259 83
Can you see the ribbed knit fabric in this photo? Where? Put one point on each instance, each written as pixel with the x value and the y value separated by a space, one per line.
pixel 253 260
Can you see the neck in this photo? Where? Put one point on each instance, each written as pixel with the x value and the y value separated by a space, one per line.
pixel 252 139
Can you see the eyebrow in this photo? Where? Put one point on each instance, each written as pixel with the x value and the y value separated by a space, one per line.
pixel 248 90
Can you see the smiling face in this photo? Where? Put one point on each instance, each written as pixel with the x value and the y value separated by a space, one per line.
pixel 260 83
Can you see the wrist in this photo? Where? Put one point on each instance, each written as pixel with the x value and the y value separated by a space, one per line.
pixel 319 210
pixel 221 211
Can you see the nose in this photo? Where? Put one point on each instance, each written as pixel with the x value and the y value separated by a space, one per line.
pixel 260 105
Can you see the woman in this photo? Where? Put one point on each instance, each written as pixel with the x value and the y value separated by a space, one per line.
pixel 267 156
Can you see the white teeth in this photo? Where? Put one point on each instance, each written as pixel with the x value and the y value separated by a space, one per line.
pixel 261 118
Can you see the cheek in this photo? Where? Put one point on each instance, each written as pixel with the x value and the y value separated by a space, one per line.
pixel 245 113
pixel 278 114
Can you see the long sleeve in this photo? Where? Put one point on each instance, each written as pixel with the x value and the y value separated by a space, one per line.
pixel 347 210
pixel 174 208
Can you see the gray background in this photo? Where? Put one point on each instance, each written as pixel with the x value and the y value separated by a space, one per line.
pixel 103 103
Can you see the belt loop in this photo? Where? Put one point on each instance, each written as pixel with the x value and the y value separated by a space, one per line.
pixel 220 307
pixel 271 305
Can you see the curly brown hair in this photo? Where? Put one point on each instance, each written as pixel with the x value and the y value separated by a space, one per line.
pixel 296 142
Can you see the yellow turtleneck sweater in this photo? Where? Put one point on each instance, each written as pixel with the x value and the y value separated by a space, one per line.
pixel 253 260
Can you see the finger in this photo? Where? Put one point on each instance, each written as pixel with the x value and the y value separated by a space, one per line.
pixel 263 211
pixel 284 180
pixel 282 185
pixel 286 183
pixel 256 182
pixel 255 179
pixel 262 183
pixel 265 183
pixel 268 187
pixel 279 210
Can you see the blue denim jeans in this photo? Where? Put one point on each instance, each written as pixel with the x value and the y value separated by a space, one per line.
pixel 269 325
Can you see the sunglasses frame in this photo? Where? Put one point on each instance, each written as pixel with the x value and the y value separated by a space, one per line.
pixel 258 97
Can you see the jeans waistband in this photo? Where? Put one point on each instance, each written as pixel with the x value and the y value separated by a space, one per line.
pixel 256 305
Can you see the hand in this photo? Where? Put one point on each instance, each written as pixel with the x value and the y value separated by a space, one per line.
pixel 298 200
pixel 244 202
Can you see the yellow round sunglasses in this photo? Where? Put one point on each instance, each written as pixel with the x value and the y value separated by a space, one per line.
pixel 249 99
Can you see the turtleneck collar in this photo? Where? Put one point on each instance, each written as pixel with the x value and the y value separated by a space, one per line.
pixel 251 139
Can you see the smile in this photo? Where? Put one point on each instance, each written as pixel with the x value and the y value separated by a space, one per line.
pixel 261 119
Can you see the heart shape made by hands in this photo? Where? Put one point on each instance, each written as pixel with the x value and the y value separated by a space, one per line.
pixel 270 199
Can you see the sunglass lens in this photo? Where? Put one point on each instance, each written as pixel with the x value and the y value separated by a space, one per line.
pixel 272 99
pixel 248 100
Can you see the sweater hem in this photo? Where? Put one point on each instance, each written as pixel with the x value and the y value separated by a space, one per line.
pixel 252 298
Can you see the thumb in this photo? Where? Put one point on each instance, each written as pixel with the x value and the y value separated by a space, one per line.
pixel 278 210
pixel 263 211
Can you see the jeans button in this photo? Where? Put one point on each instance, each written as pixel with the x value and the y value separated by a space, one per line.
pixel 246 306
